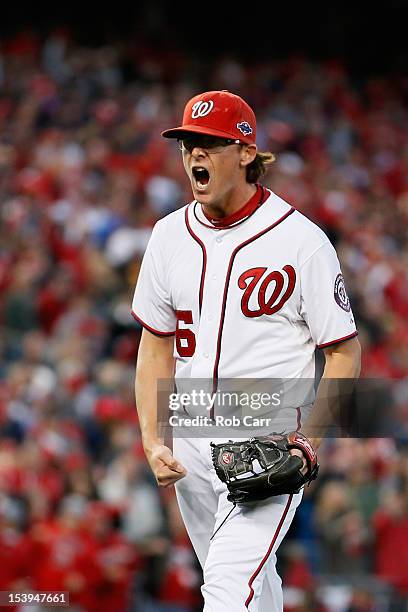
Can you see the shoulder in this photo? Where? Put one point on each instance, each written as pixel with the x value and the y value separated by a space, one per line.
pixel 173 222
pixel 310 231
pixel 306 234
pixel 168 228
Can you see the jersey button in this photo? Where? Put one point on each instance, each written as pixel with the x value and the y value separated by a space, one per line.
pixel 214 277
pixel 206 355
pixel 218 239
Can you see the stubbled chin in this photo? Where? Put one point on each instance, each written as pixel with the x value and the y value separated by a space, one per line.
pixel 204 199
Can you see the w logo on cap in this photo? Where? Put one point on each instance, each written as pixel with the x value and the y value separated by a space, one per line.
pixel 245 128
pixel 201 109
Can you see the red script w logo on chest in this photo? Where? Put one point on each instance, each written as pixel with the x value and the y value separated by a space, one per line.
pixel 279 295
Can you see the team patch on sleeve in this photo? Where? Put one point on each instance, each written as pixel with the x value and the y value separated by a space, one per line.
pixel 340 293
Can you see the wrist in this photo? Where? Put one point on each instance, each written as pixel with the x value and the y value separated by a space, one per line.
pixel 150 443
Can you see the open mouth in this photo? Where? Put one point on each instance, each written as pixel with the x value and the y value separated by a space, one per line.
pixel 201 177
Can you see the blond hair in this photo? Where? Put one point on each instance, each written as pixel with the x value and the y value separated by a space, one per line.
pixel 258 167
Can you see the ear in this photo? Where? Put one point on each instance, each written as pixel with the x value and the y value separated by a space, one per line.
pixel 247 154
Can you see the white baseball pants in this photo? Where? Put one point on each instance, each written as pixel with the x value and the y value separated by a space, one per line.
pixel 239 560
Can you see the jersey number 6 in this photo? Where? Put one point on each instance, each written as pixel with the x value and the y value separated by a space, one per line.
pixel 185 338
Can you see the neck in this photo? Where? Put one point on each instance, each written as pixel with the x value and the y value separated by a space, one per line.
pixel 230 202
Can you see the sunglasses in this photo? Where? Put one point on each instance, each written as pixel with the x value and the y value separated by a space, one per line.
pixel 205 142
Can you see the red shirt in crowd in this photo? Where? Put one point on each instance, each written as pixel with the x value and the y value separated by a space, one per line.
pixel 116 561
pixel 17 558
pixel 181 582
pixel 391 562
pixel 66 562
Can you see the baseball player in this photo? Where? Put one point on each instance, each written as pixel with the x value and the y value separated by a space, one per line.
pixel 235 284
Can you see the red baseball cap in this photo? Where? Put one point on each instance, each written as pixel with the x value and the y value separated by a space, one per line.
pixel 217 113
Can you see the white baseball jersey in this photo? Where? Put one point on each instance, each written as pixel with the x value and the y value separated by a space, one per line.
pixel 251 300
pixel 248 300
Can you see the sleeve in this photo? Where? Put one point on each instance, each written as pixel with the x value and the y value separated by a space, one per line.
pixel 325 306
pixel 151 304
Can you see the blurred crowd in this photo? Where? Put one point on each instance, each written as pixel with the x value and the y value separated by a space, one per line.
pixel 84 175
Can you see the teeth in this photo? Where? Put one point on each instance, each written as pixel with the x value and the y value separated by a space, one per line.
pixel 201 176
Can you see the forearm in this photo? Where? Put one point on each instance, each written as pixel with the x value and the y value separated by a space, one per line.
pixel 341 369
pixel 155 361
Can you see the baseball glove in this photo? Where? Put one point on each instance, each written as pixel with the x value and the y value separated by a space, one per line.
pixel 259 468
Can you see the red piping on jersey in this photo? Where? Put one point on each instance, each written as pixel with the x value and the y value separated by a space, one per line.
pixel 204 265
pixel 262 563
pixel 299 418
pixel 247 209
pixel 224 302
pixel 320 346
pixel 156 332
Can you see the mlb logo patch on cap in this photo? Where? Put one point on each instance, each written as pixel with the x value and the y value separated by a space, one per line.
pixel 245 128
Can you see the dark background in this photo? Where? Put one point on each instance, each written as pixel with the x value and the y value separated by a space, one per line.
pixel 370 37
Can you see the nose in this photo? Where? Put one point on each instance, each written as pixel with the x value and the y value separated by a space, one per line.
pixel 198 151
